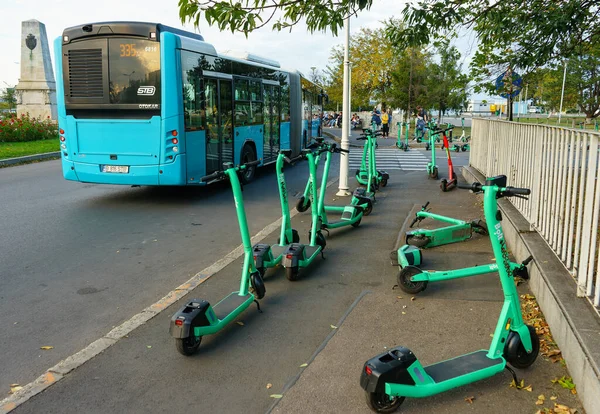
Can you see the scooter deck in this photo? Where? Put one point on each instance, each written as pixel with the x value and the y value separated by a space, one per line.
pixel 462 365
pixel 229 304
pixel 277 250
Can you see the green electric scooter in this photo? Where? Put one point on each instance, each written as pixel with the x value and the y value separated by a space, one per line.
pixel 464 140
pixel 412 279
pixel 402 145
pixel 351 215
pixel 379 177
pixel 298 255
pixel 198 318
pixel 303 202
pixel 390 377
pixel 432 169
pixel 458 230
pixel 265 255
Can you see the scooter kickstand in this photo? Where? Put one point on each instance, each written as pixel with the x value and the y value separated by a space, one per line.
pixel 258 306
pixel 514 375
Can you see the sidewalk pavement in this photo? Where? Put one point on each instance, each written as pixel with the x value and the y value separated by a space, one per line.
pixel 342 311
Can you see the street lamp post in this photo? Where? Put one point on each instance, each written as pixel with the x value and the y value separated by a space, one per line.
pixel 344 159
pixel 562 94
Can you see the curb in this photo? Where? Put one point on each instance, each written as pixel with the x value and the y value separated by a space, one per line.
pixel 28 158
pixel 574 324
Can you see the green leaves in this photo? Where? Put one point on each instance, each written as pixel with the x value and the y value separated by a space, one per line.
pixel 248 15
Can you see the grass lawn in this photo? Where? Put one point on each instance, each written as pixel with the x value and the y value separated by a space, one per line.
pixel 20 149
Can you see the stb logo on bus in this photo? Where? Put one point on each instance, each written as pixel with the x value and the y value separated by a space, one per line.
pixel 146 90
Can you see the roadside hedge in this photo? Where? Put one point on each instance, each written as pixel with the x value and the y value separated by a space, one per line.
pixel 25 128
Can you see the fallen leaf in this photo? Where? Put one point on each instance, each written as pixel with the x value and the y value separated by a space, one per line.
pixel 14 388
pixel 403 313
pixel 240 323
pixel 528 388
pixel 269 385
pixel 333 326
pixel 553 398
pixel 399 297
pixel 45 348
pixel 303 365
pixel 276 396
pixel 148 346
pixel 469 400
pixel 412 299
pixel 540 400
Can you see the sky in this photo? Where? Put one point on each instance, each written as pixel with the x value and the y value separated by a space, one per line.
pixel 297 49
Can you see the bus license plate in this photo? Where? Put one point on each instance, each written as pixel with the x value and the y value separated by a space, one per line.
pixel 122 169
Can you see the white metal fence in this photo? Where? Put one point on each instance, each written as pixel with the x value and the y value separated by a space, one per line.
pixel 560 166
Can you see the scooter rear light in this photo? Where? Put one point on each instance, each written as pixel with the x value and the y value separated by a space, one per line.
pixel 289 256
pixel 368 370
pixel 179 321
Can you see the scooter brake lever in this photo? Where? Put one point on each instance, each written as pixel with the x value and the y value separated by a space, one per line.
pixel 520 196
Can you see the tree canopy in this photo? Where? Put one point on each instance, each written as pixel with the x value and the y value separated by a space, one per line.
pixel 246 16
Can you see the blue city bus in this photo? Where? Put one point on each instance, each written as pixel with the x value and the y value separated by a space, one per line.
pixel 147 104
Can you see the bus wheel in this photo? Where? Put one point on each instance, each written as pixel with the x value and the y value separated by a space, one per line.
pixel 247 155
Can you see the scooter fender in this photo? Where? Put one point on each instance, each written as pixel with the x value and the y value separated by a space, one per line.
pixel 293 254
pixel 261 253
pixel 383 174
pixel 192 314
pixel 391 367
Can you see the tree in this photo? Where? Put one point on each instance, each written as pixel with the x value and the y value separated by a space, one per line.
pixel 533 32
pixel 9 97
pixel 409 78
pixel 446 84
pixel 372 62
pixel 246 16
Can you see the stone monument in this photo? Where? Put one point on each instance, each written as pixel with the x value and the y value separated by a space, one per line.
pixel 36 91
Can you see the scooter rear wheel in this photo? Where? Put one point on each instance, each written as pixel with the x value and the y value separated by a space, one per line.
pixel 515 352
pixel 406 284
pixel 444 185
pixel 291 273
pixel 384 182
pixel 356 223
pixel 188 346
pixel 434 173
pixel 383 403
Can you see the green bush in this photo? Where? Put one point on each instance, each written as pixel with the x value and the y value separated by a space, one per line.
pixel 13 129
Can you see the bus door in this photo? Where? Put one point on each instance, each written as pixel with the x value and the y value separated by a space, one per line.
pixel 272 108
pixel 219 122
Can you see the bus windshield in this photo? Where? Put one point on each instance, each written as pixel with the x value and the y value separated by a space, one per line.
pixel 134 71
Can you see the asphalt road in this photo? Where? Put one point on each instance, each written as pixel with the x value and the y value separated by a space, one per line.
pixel 78 259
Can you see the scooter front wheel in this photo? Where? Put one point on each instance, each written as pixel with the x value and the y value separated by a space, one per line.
pixel 418 241
pixel 444 185
pixel 302 205
pixel 384 182
pixel 188 346
pixel 515 352
pixel 404 280
pixel 369 208
pixel 383 403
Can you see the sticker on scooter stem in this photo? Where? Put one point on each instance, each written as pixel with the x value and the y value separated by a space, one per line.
pixel 498 232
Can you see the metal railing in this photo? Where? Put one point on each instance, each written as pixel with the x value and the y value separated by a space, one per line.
pixel 560 166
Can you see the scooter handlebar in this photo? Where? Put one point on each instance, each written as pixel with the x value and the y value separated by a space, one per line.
pixel 213 176
pixel 293 160
pixel 475 187
pixel 425 206
pixel 361 138
pixel 251 163
pixel 512 191
pixel 414 222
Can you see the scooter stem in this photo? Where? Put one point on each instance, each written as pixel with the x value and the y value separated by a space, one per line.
pixel 244 232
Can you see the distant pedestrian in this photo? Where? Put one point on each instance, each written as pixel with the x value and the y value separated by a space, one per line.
pixel 376 118
pixel 385 124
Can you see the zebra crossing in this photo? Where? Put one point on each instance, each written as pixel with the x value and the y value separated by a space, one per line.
pixel 392 159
